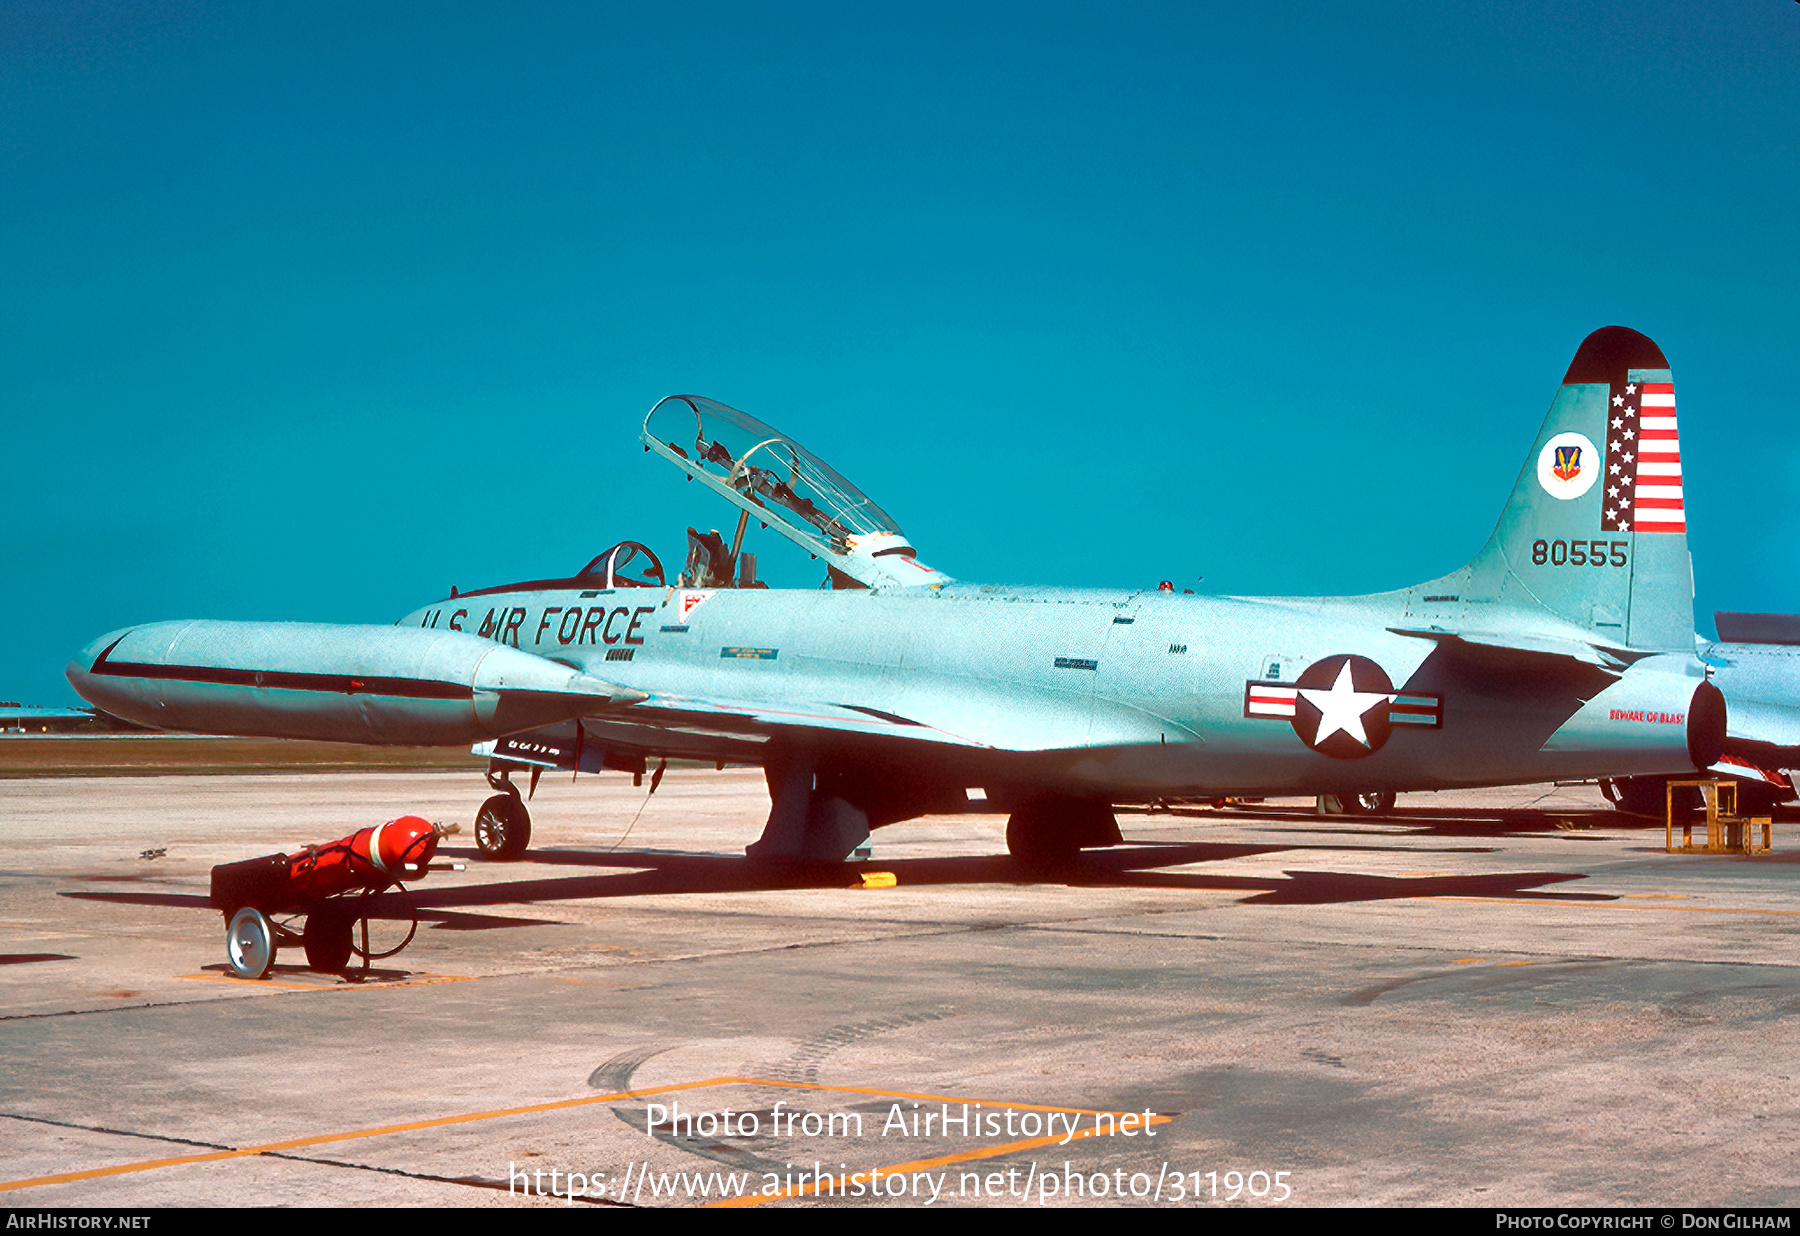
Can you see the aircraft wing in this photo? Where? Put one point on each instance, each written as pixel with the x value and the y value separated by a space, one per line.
pixel 757 717
pixel 690 727
pixel 953 714
pixel 947 710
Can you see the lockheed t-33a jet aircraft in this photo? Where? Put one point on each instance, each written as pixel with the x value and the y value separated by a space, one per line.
pixel 1565 649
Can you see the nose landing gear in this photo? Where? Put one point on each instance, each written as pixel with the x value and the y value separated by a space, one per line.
pixel 503 825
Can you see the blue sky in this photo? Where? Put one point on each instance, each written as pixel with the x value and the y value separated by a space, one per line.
pixel 311 311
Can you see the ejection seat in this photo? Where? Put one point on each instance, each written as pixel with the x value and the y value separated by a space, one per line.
pixel 709 563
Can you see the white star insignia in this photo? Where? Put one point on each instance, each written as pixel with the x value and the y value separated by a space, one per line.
pixel 1631 390
pixel 1627 457
pixel 1615 469
pixel 1613 492
pixel 1614 444
pixel 1629 435
pixel 1617 400
pixel 1342 707
pixel 1610 512
pixel 1618 423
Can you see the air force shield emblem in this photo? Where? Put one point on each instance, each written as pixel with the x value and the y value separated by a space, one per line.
pixel 1568 466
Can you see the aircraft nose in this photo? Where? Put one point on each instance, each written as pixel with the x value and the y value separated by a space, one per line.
pixel 80 671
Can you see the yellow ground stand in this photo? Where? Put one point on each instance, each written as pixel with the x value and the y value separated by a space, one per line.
pixel 1726 831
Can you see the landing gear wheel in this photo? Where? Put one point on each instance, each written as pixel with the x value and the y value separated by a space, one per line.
pixel 503 828
pixel 327 940
pixel 250 944
pixel 1047 834
pixel 1036 844
pixel 1757 798
pixel 1369 802
pixel 1647 796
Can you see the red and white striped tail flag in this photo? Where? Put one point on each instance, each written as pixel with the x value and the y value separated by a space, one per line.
pixel 1643 461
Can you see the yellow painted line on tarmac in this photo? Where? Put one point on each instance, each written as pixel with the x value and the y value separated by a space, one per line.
pixel 259 984
pixel 1606 905
pixel 967 1156
pixel 903 1094
pixel 840 1182
pixel 301 1143
pixel 423 980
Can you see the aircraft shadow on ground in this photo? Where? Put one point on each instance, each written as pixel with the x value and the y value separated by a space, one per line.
pixel 649 874
pixel 1431 821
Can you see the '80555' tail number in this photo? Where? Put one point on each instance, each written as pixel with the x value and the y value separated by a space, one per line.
pixel 1580 553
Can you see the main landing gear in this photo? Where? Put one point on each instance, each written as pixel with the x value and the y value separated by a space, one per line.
pixel 1363 802
pixel 1045 834
pixel 503 825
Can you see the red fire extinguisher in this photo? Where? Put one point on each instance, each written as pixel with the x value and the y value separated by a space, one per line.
pixel 305 882
pixel 373 858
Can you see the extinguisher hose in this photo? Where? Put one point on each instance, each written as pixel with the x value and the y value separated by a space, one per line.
pixel 393 881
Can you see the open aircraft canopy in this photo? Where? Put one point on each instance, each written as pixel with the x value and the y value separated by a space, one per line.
pixel 782 484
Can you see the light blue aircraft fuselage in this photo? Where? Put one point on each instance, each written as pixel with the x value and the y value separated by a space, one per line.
pixel 1137 695
pixel 1563 650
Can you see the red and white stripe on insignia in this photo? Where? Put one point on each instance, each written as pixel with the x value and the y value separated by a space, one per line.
pixel 1658 500
pixel 1262 700
pixel 1417 710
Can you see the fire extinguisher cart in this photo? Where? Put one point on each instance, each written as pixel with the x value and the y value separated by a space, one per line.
pixel 320 898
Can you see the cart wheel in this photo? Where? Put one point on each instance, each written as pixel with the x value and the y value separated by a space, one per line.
pixel 250 944
pixel 327 940
pixel 503 828
pixel 1370 802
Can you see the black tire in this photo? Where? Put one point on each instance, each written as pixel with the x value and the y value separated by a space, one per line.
pixel 503 828
pixel 1645 796
pixel 1047 834
pixel 1758 797
pixel 1036 842
pixel 1369 802
pixel 327 940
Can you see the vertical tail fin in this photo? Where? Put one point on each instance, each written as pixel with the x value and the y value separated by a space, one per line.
pixel 1595 533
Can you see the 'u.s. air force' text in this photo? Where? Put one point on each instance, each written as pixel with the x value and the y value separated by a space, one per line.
pixel 596 624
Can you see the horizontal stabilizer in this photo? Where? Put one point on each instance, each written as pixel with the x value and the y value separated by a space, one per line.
pixel 1758 628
